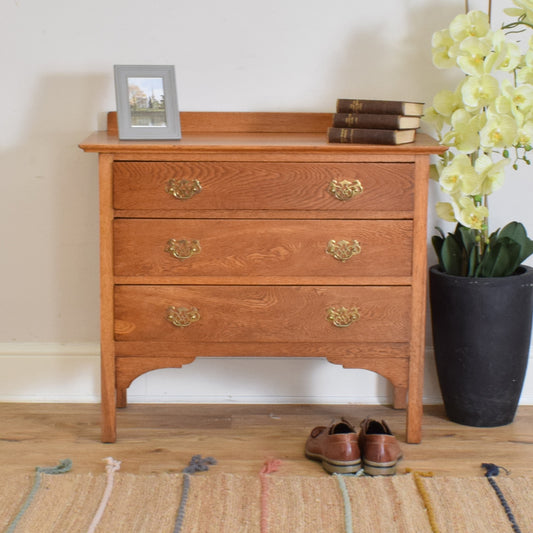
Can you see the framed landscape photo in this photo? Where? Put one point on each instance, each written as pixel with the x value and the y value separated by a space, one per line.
pixel 147 102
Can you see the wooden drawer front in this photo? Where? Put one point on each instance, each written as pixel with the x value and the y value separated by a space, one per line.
pixel 248 186
pixel 305 248
pixel 262 314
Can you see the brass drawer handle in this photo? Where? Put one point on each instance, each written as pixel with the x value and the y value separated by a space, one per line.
pixel 183 189
pixel 341 317
pixel 183 249
pixel 343 250
pixel 181 317
pixel 345 189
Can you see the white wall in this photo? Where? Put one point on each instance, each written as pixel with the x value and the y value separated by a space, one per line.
pixel 243 55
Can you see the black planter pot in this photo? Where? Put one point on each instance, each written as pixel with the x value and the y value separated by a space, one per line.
pixel 481 336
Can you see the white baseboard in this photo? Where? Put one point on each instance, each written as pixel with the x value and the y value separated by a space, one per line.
pixel 70 373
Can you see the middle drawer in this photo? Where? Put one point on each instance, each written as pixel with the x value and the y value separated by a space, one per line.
pixel 303 248
pixel 185 314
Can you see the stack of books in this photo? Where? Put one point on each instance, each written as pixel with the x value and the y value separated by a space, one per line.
pixel 375 121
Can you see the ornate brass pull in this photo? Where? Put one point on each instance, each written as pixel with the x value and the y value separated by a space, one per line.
pixel 343 250
pixel 183 189
pixel 181 317
pixel 341 317
pixel 345 189
pixel 183 249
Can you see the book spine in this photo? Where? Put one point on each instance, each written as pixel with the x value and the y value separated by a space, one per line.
pixel 388 107
pixel 361 136
pixel 363 120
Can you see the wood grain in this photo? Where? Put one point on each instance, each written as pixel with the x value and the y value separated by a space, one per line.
pixel 418 305
pixel 163 438
pixel 259 314
pixel 263 186
pixel 221 121
pixel 256 248
pixel 107 364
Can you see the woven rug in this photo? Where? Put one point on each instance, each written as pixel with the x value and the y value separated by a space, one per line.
pixel 113 502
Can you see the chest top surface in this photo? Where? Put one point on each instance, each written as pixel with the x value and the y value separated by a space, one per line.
pixel 248 133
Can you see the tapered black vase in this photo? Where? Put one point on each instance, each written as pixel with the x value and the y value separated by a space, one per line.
pixel 481 337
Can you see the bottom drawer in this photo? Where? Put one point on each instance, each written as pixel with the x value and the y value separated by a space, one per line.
pixel 262 313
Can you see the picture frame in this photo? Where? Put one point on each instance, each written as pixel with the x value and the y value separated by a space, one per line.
pixel 147 102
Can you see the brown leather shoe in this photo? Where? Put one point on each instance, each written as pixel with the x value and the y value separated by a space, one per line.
pixel 379 448
pixel 336 446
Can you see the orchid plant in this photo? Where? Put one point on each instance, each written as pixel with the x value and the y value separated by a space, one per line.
pixel 487 123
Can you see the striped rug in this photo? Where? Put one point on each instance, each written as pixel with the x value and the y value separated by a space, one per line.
pixel 270 502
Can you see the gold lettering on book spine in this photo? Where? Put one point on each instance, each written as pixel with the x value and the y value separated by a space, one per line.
pixel 356 106
pixel 352 121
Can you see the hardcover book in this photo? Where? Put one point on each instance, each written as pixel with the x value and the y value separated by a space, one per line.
pixel 387 107
pixel 375 121
pixel 370 136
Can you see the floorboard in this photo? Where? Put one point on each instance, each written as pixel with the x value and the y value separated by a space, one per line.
pixel 162 438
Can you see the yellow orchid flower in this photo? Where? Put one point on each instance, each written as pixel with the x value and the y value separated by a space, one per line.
pixel 468 214
pixel 524 136
pixel 515 101
pixel 492 174
pixel 499 132
pixel 474 23
pixel 444 49
pixel 460 176
pixel 434 119
pixel 505 55
pixel 464 132
pixel 521 97
pixel 445 211
pixel 447 102
pixel 473 52
pixel 503 105
pixel 525 75
pixel 509 102
pixel 479 91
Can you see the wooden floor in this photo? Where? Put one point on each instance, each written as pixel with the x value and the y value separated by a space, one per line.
pixel 162 438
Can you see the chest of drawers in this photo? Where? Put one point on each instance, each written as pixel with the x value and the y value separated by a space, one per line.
pixel 252 236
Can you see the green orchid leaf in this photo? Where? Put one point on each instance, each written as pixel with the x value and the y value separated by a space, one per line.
pixel 473 262
pixel 437 243
pixel 493 238
pixel 452 257
pixel 516 232
pixel 501 260
pixel 526 251
pixel 468 238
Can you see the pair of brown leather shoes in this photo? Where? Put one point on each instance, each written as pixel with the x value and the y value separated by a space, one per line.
pixel 342 451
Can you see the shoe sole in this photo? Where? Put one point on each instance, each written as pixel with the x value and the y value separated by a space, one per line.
pixel 336 467
pixel 380 469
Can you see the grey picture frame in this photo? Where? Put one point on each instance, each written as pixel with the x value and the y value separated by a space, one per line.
pixel 147 102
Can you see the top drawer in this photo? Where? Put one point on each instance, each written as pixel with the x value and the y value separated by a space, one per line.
pixel 361 187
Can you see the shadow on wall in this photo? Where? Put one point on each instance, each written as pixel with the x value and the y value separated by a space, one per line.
pixel 52 249
pixel 394 62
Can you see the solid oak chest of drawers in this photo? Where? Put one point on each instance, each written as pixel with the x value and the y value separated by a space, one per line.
pixel 254 237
